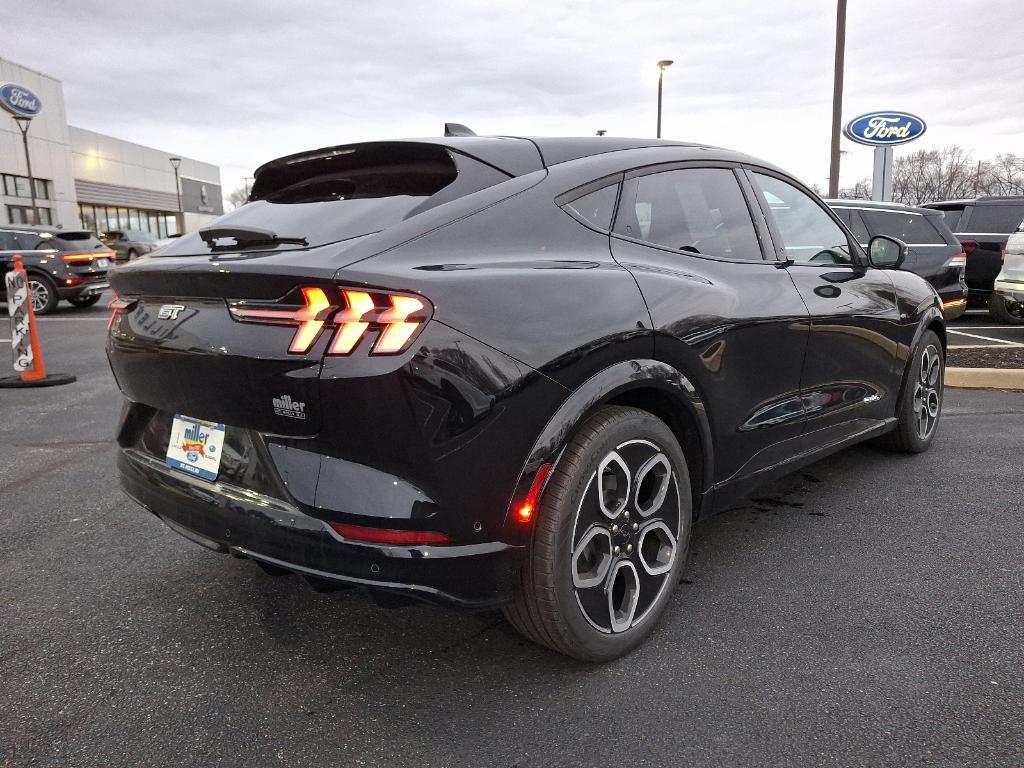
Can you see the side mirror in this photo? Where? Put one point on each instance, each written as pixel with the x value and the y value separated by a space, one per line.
pixel 886 252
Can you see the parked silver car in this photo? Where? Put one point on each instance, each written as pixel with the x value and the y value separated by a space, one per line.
pixel 1010 281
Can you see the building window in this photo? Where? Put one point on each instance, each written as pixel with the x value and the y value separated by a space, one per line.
pixel 22 214
pixel 99 218
pixel 17 186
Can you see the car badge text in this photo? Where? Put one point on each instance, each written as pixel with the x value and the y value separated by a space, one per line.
pixel 169 311
pixel 285 406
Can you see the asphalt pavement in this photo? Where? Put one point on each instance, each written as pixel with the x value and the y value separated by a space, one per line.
pixel 976 327
pixel 867 611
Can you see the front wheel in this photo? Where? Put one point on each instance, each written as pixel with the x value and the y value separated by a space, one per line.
pixel 921 399
pixel 42 293
pixel 1006 310
pixel 610 538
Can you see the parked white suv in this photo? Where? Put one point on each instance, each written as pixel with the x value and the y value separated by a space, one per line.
pixel 1010 281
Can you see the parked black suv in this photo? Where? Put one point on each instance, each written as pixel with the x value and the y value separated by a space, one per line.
pixel 983 226
pixel 61 264
pixel 935 253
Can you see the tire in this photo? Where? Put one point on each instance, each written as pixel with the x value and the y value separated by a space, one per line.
pixel 43 293
pixel 84 301
pixel 922 389
pixel 578 550
pixel 133 254
pixel 1001 310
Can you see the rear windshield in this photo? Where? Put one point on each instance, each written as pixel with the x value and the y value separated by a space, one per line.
pixel 911 228
pixel 339 194
pixel 77 241
pixel 995 218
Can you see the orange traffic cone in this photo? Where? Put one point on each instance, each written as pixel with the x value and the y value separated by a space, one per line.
pixel 28 352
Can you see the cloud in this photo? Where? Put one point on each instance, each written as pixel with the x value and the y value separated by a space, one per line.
pixel 239 83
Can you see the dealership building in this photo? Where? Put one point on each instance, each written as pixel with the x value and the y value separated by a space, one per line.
pixel 86 179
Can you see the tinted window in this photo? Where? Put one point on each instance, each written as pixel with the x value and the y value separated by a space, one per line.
pixel 77 241
pixel 809 234
pixel 952 216
pixel 853 220
pixel 995 218
pixel 911 228
pixel 698 210
pixel 596 208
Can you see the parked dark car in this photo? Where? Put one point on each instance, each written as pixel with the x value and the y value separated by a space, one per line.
pixel 983 226
pixel 934 252
pixel 129 244
pixel 61 264
pixel 509 372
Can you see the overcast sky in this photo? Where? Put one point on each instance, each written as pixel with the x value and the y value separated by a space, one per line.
pixel 238 84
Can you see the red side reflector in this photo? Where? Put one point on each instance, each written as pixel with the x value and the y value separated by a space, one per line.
pixel 968 246
pixel 525 512
pixel 389 535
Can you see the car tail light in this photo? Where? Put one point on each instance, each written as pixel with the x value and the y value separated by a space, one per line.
pixel 968 246
pixel 86 256
pixel 396 319
pixel 1002 253
pixel 393 536
pixel 960 260
pixel 116 306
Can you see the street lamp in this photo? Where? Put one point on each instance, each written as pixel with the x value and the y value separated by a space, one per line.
pixel 661 76
pixel 24 123
pixel 175 162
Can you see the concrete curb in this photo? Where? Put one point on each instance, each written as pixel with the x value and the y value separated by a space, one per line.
pixel 985 378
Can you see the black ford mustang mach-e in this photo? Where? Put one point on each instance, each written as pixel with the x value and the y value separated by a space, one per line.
pixel 509 372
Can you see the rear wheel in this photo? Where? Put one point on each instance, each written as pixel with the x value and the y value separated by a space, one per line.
pixel 42 293
pixel 1006 310
pixel 133 254
pixel 610 538
pixel 84 301
pixel 921 399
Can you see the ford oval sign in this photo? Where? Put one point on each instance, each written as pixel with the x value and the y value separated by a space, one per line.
pixel 19 100
pixel 883 129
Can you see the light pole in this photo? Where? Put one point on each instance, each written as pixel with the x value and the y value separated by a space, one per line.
pixel 661 76
pixel 23 124
pixel 837 98
pixel 175 162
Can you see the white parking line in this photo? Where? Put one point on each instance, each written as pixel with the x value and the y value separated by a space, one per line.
pixel 986 338
pixel 992 327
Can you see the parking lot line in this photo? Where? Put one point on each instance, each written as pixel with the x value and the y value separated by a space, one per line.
pixel 986 338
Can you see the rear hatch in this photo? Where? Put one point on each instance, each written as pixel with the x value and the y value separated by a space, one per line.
pixel 83 253
pixel 230 324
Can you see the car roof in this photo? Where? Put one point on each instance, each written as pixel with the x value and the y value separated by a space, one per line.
pixel 990 200
pixel 846 202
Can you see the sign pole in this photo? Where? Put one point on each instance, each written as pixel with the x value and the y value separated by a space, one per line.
pixel 881 180
pixel 28 352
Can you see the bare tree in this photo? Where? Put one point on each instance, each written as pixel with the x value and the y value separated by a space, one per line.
pixel 859 191
pixel 950 173
pixel 236 199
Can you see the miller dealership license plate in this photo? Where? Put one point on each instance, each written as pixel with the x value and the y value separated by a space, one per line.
pixel 195 447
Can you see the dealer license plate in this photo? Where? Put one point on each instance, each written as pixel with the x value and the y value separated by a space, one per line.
pixel 195 447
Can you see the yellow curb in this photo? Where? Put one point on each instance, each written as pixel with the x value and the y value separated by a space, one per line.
pixel 985 378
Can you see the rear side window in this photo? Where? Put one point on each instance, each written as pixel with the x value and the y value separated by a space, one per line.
pixel 952 217
pixel 995 218
pixel 696 210
pixel 596 208
pixel 911 228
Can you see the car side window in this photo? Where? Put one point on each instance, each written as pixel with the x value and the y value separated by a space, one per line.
pixel 701 211
pixel 853 220
pixel 911 228
pixel 596 208
pixel 809 234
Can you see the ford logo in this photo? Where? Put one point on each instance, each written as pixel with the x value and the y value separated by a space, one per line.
pixel 19 100
pixel 884 128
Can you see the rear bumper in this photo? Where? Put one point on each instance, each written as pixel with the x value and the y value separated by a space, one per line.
pixel 83 290
pixel 230 518
pixel 1011 289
